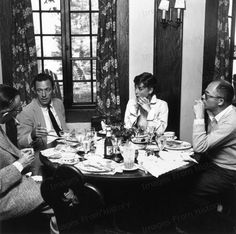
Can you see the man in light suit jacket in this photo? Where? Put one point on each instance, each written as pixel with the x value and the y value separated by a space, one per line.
pixel 19 195
pixel 35 123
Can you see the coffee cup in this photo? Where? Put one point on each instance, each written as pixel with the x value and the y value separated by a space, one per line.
pixel 169 135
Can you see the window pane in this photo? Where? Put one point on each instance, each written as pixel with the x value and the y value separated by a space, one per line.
pixel 52 46
pixel 61 88
pixel 94 92
pixel 81 5
pixel 230 7
pixel 48 5
pixel 81 70
pixel 38 46
pixel 39 63
pixel 95 23
pixel 36 23
pixel 234 66
pixel 79 23
pixel 94 69
pixel 82 92
pixel 35 5
pixel 94 46
pixel 229 22
pixel 94 5
pixel 55 66
pixel 80 46
pixel 51 23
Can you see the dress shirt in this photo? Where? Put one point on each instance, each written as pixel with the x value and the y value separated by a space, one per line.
pixel 156 117
pixel 49 126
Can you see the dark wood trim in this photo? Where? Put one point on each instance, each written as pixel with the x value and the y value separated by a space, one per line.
pixel 168 64
pixel 123 51
pixel 209 42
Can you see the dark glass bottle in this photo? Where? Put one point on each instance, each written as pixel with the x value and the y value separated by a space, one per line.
pixel 108 146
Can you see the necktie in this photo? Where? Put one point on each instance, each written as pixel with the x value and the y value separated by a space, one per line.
pixel 53 120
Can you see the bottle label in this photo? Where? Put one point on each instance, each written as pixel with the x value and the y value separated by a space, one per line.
pixel 109 150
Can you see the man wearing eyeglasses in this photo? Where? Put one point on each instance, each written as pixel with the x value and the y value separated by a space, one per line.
pixel 217 177
pixel 41 121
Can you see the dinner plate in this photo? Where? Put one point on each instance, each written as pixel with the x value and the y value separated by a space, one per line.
pixel 152 147
pixel 69 162
pixel 177 145
pixel 91 168
pixel 139 140
pixel 134 168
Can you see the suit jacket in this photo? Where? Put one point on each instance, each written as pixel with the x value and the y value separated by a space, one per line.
pixel 18 195
pixel 30 117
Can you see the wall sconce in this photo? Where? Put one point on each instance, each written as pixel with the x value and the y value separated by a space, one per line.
pixel 168 12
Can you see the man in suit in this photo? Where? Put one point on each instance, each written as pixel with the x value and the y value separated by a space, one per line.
pixel 44 116
pixel 19 195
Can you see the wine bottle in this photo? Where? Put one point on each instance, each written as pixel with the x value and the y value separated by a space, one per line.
pixel 108 146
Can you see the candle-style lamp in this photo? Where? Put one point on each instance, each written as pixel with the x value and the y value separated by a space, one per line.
pixel 164 7
pixel 180 6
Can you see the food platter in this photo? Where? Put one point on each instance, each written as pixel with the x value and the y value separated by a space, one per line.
pixel 177 145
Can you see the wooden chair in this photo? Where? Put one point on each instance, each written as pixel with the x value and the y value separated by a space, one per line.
pixel 77 205
pixel 57 89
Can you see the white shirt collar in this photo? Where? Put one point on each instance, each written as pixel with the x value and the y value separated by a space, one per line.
pixel 221 114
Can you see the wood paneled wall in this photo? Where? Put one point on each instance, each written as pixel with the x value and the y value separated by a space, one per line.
pixel 167 65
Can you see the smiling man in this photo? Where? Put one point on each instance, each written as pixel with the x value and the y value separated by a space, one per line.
pixel 44 116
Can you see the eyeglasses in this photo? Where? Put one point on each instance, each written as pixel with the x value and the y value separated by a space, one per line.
pixel 207 96
pixel 41 91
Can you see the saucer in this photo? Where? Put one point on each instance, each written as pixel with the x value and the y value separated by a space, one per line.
pixel 135 167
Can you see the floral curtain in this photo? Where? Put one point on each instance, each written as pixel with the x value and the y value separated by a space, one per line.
pixel 24 62
pixel 108 97
pixel 222 45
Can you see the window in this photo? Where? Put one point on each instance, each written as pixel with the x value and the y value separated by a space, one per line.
pixel 66 39
pixel 232 36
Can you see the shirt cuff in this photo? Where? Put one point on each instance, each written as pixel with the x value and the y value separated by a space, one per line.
pixel 199 121
pixel 18 166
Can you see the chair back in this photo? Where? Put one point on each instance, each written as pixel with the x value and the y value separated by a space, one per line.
pixel 77 205
pixel 57 89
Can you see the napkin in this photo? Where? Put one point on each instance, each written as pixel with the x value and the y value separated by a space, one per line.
pixel 167 161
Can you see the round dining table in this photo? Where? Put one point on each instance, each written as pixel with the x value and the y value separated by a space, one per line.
pixel 138 198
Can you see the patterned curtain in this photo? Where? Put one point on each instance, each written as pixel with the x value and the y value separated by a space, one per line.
pixel 108 96
pixel 222 46
pixel 23 48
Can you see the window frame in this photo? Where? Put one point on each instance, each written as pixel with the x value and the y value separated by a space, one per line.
pixel 66 53
pixel 232 38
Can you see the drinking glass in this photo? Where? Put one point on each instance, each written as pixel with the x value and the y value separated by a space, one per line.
pixel 65 135
pixel 128 156
pixel 161 142
pixel 79 136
